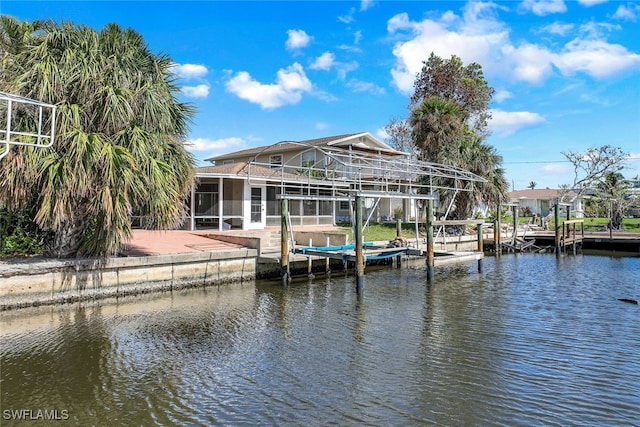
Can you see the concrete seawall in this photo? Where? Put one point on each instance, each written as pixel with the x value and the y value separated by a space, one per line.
pixel 43 281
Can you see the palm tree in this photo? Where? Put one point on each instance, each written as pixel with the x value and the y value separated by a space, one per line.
pixel 119 135
pixel 532 185
pixel 443 137
pixel 436 124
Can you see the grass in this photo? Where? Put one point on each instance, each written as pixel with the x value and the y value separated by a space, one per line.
pixel 379 232
pixel 629 225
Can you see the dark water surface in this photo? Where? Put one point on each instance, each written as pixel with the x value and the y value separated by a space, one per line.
pixel 532 340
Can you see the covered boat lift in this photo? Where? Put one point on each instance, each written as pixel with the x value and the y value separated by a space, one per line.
pixel 362 175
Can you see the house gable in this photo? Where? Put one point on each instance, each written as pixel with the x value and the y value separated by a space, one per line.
pixel 289 150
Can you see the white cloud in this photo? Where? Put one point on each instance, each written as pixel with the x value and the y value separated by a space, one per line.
pixel 627 13
pixel 502 95
pixel 365 4
pixel 223 145
pixel 543 7
pixel 505 123
pixel 530 63
pixel 297 39
pixel 199 91
pixel 290 84
pixel 596 58
pixel 347 19
pixel 357 37
pixel 557 28
pixel 360 86
pixel 589 3
pixel 190 71
pixel 633 157
pixel 321 126
pixel 382 134
pixel 323 62
pixel 478 36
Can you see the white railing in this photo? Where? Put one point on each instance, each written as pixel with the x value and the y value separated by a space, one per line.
pixel 25 121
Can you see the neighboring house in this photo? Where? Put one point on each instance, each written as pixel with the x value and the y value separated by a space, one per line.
pixel 541 201
pixel 240 190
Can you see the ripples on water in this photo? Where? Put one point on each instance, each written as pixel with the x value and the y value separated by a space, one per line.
pixel 532 340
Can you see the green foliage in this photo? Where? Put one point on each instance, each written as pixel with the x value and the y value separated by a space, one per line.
pixel 449 117
pixel 19 237
pixel 505 215
pixel 120 132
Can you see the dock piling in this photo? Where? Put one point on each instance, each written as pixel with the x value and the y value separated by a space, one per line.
pixel 359 244
pixel 556 218
pixel 399 234
pixel 430 241
pixel 284 243
pixel 480 246
pixel 496 233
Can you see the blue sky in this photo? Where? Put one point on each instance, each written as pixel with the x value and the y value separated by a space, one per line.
pixel 566 73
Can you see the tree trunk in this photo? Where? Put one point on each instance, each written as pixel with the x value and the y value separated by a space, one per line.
pixel 66 241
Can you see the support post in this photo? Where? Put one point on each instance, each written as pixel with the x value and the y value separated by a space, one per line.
pixel 496 233
pixel 284 243
pixel 514 214
pixel 359 244
pixel 327 269
pixel 480 246
pixel 430 251
pixel 556 218
pixel 398 234
pixel 310 263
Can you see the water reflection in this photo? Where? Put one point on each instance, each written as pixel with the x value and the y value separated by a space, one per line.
pixel 531 340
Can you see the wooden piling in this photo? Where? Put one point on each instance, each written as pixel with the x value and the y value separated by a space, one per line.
pixel 480 246
pixel 514 214
pixel 399 234
pixel 327 268
pixel 284 243
pixel 359 244
pixel 556 218
pixel 430 241
pixel 496 233
pixel 310 263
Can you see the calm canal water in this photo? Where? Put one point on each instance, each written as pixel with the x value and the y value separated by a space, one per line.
pixel 532 340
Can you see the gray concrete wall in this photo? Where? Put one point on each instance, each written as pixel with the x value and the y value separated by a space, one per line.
pixel 38 282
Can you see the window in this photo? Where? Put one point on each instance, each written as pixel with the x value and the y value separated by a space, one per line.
pixel 227 162
pixel 275 161
pixel 344 205
pixel 273 203
pixel 308 159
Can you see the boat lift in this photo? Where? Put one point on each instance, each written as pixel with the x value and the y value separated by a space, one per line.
pixel 362 175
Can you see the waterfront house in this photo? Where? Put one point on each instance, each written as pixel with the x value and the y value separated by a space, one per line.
pixel 540 202
pixel 240 190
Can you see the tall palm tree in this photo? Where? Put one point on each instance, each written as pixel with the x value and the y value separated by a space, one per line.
pixel 442 136
pixel 119 135
pixel 436 123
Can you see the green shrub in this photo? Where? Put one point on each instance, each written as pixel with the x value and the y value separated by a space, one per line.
pixel 19 236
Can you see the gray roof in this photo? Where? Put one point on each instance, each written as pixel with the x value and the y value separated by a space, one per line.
pixel 245 170
pixel 282 146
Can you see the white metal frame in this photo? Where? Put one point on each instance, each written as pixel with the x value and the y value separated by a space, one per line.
pixel 44 116
pixel 370 173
